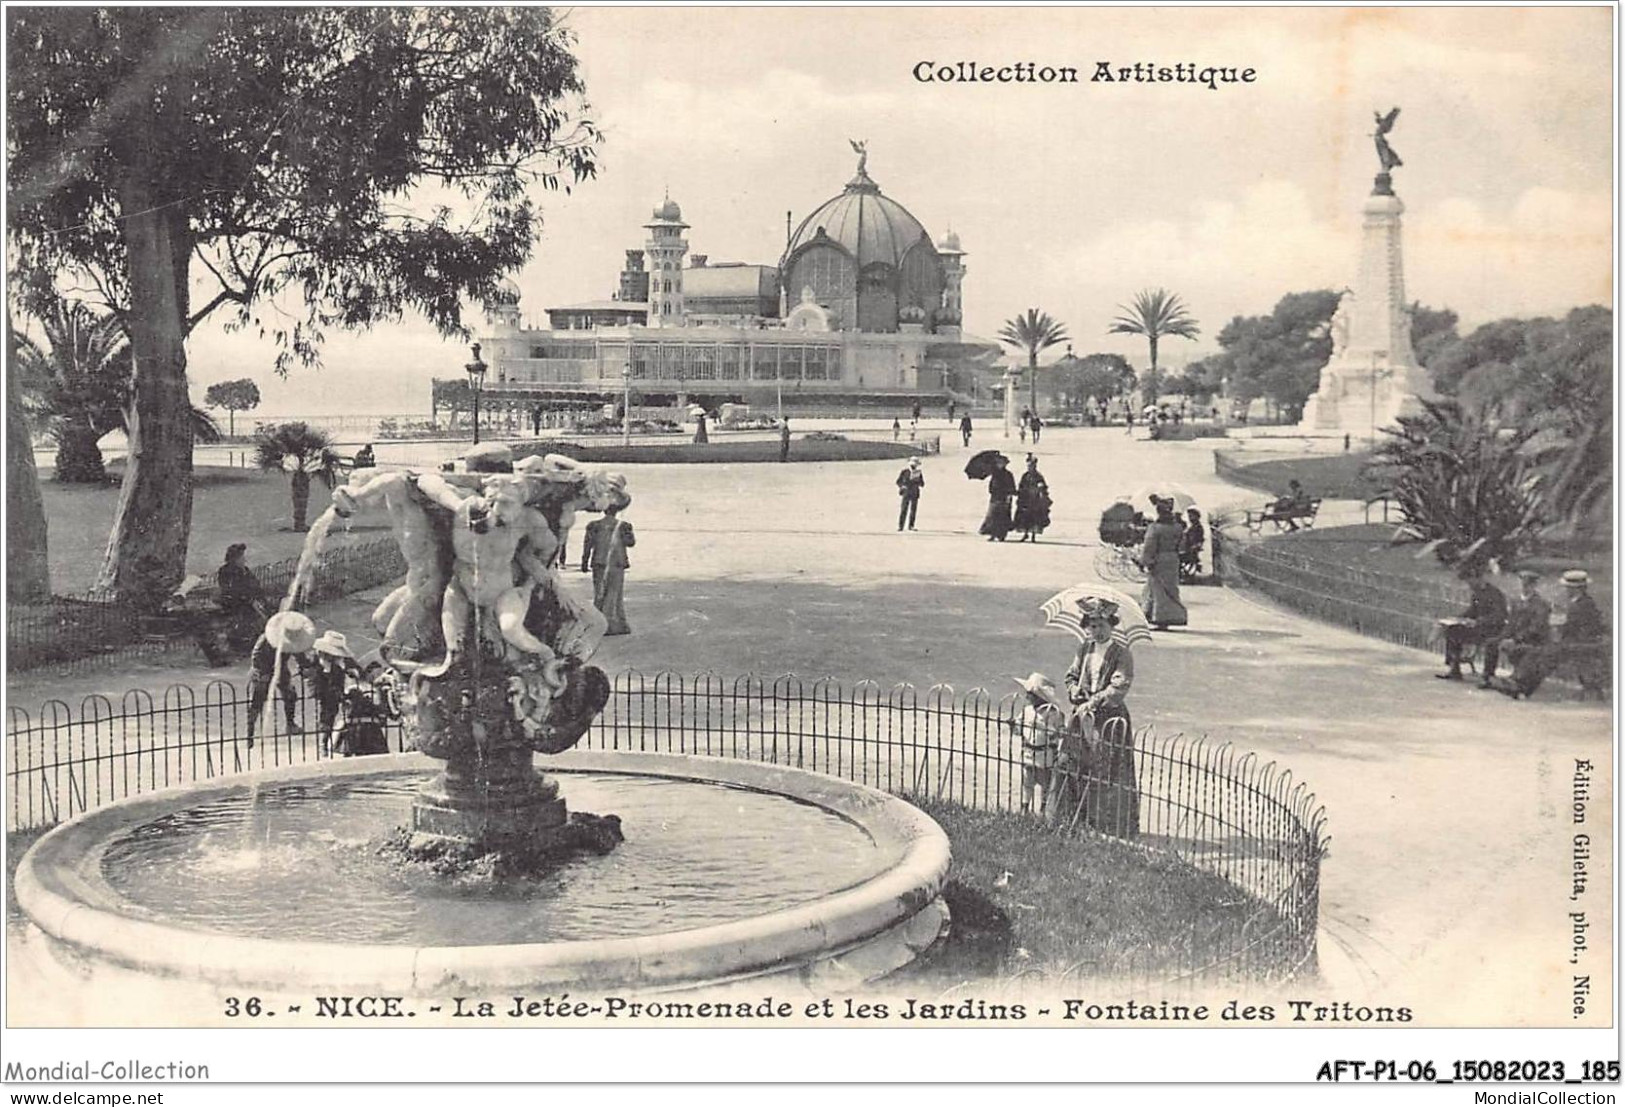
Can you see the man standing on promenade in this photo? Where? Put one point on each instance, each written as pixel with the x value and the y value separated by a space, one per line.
pixel 909 483
pixel 964 428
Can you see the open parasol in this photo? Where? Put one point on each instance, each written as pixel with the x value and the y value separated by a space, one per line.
pixel 980 467
pixel 1182 499
pixel 1061 610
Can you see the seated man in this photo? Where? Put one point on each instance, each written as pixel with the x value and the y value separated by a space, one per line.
pixel 1528 630
pixel 1294 503
pixel 1583 636
pixel 1482 622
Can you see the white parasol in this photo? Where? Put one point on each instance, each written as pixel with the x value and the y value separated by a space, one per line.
pixel 1061 610
pixel 1181 498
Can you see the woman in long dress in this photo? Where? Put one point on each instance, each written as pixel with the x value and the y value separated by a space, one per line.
pixel 1032 502
pixel 1094 776
pixel 1160 559
pixel 1001 487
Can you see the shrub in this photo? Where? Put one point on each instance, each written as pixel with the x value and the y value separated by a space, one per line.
pixel 1462 482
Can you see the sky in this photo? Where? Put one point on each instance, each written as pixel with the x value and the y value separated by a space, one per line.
pixel 1067 197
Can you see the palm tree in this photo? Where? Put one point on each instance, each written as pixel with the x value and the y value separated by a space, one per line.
pixel 301 451
pixel 74 386
pixel 1155 312
pixel 1032 332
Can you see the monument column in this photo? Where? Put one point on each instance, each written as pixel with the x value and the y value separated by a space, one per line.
pixel 1373 376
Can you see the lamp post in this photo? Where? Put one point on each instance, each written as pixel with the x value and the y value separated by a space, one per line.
pixel 626 406
pixel 1009 400
pixel 476 377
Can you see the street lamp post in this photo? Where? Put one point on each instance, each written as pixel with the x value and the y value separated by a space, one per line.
pixel 476 377
pixel 626 406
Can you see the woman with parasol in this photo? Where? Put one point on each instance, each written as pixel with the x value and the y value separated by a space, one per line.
pixel 1001 488
pixel 1094 774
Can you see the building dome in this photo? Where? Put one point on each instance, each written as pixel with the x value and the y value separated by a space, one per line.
pixel 669 211
pixel 865 258
pixel 949 243
pixel 506 292
pixel 870 226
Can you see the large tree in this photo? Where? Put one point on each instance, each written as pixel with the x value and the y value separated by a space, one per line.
pixel 237 395
pixel 1092 378
pixel 1033 331
pixel 1554 376
pixel 1155 313
pixel 281 150
pixel 28 570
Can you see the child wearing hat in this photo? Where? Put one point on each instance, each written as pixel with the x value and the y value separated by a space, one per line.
pixel 1039 729
pixel 333 666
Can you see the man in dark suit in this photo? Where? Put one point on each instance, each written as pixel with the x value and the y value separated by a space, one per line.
pixel 909 483
pixel 603 550
pixel 1482 622
pixel 1528 630
pixel 1582 640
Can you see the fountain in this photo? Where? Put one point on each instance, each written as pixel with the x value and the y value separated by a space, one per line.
pixel 735 869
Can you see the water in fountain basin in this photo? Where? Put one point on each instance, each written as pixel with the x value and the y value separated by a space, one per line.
pixel 695 855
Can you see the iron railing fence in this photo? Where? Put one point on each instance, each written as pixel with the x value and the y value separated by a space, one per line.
pixel 1398 609
pixel 1217 809
pixel 74 632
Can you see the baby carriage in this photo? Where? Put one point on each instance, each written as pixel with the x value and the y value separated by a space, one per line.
pixel 368 710
pixel 1122 531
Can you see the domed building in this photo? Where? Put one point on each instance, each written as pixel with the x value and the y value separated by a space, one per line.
pixel 863 311
pixel 866 260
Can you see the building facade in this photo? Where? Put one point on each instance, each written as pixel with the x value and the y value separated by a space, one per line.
pixel 863 307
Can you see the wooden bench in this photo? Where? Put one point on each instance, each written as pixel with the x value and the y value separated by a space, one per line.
pixel 1284 518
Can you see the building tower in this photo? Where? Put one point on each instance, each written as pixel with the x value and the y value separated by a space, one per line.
pixel 502 310
pixel 634 280
pixel 666 248
pixel 951 315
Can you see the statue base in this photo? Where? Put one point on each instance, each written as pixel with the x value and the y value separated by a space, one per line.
pixel 490 804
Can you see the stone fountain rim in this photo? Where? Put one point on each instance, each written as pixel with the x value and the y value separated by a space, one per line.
pixel 60 889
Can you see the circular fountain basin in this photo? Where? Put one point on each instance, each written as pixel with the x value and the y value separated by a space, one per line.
pixel 731 870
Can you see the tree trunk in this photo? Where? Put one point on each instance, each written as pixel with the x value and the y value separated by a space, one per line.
pixel 1153 386
pixel 28 571
pixel 78 458
pixel 300 484
pixel 146 554
pixel 1032 381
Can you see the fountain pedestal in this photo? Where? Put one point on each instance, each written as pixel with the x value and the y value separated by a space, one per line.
pixel 500 802
pixel 489 801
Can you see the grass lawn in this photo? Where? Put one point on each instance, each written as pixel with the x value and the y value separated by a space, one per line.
pixel 1366 546
pixel 1332 476
pixel 688 453
pixel 1079 906
pixel 228 505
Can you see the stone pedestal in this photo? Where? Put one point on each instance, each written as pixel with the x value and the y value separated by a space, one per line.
pixel 1373 376
pixel 494 804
